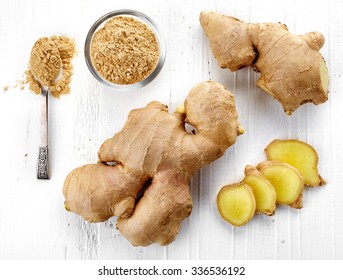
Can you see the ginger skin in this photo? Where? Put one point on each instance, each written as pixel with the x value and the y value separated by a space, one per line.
pixel 155 159
pixel 292 69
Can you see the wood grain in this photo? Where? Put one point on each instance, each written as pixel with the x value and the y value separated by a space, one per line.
pixel 33 222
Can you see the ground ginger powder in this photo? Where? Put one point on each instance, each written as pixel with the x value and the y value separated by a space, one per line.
pixel 45 61
pixel 67 50
pixel 124 51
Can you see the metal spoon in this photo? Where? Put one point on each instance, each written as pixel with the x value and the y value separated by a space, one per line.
pixel 43 153
pixel 38 53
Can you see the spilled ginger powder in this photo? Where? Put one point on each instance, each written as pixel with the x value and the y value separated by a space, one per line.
pixel 125 51
pixel 42 63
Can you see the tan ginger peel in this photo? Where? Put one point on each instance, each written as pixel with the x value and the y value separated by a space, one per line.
pixel 154 155
pixel 292 69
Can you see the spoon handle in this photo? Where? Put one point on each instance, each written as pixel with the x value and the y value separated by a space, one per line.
pixel 43 155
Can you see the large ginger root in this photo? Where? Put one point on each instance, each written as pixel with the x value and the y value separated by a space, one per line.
pixel 148 188
pixel 292 69
pixel 300 155
pixel 236 203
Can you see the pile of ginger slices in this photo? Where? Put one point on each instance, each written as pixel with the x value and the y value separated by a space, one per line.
pixel 290 165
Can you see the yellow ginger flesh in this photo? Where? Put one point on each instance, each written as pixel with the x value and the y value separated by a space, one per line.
pixel 264 191
pixel 300 155
pixel 236 204
pixel 286 180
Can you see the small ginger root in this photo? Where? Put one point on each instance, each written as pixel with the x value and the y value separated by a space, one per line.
pixel 264 191
pixel 292 69
pixel 300 155
pixel 148 188
pixel 286 180
pixel 236 203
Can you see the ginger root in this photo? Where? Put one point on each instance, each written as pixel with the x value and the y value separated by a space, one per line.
pixel 292 69
pixel 236 203
pixel 300 155
pixel 291 165
pixel 148 188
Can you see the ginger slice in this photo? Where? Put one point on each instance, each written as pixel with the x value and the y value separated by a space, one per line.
pixel 300 155
pixel 236 203
pixel 264 191
pixel 286 180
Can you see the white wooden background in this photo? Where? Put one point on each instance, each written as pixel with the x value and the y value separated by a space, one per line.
pixel 33 222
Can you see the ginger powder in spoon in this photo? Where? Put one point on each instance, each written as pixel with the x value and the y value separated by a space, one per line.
pixel 45 61
pixel 66 51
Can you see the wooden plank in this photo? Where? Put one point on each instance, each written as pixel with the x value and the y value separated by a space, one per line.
pixel 33 223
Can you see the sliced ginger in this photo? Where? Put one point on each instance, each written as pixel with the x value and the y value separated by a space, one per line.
pixel 286 180
pixel 236 203
pixel 300 155
pixel 264 191
pixel 291 165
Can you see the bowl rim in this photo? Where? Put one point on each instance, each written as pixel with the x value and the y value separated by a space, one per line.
pixel 150 23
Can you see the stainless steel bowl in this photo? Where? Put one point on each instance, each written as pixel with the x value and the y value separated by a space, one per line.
pixel 137 15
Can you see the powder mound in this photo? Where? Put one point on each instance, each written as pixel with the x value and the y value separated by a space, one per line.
pixel 125 51
pixel 66 50
pixel 45 61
